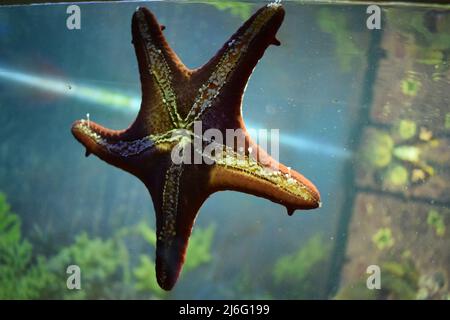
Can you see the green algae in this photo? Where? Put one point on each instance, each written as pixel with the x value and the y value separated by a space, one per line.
pixel 383 239
pixel 436 221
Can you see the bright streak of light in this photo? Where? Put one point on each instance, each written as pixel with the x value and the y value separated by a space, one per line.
pixel 97 95
pixel 300 143
pixel 123 102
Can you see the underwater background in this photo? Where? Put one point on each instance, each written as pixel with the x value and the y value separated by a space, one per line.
pixel 363 113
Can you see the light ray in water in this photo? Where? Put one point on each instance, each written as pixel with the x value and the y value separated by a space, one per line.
pixel 117 101
pixel 97 95
pixel 301 143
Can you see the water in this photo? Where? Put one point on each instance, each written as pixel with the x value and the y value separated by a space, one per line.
pixel 345 98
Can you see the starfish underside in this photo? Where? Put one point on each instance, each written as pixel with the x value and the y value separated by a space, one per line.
pixel 174 98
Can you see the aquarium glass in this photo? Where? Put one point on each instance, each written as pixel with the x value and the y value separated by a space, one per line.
pixel 361 100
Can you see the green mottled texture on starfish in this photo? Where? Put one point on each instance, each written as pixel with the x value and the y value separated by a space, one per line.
pixel 174 100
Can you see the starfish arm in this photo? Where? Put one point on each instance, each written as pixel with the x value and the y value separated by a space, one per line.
pixel 225 76
pixel 176 205
pixel 294 193
pixel 259 174
pixel 176 209
pixel 149 40
pixel 160 72
pixel 115 147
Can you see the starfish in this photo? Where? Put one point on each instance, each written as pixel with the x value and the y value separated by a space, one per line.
pixel 174 99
